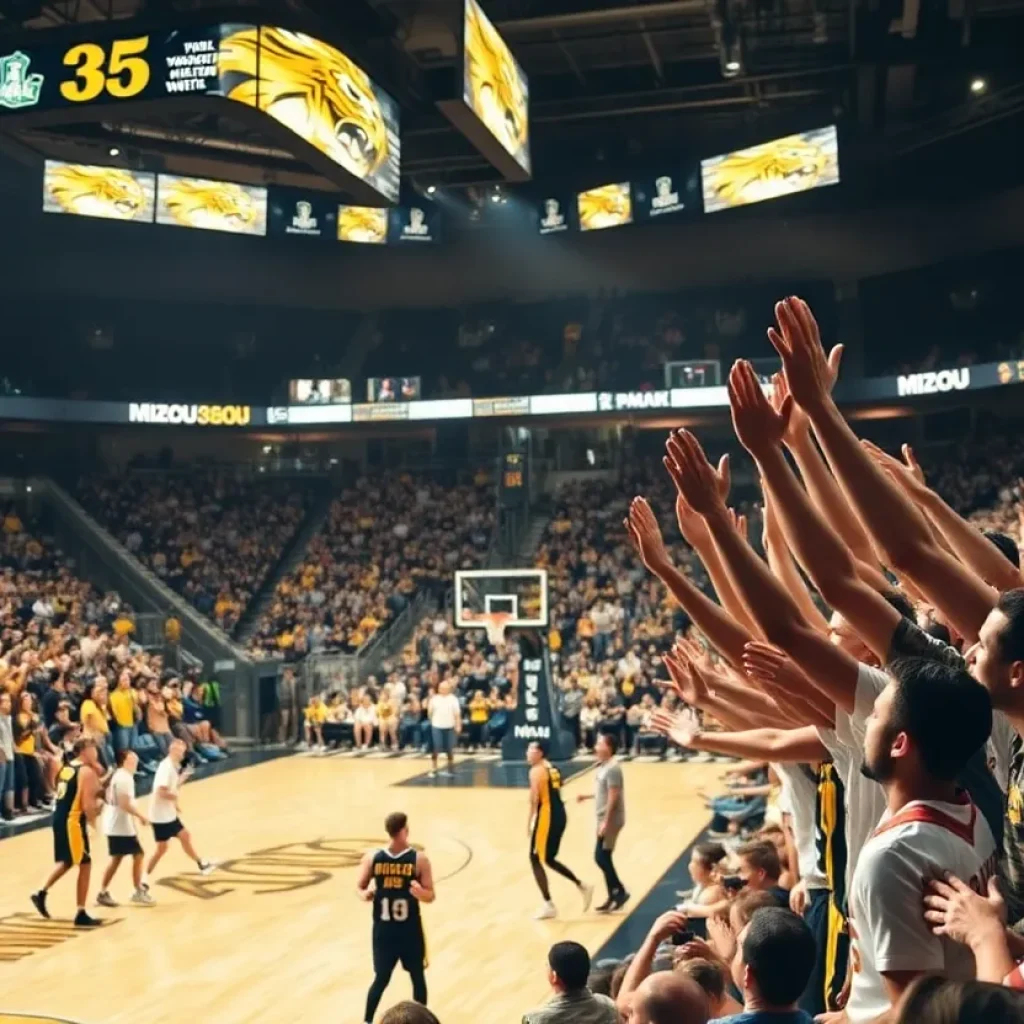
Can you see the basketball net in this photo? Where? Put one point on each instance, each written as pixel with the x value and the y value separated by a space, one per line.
pixel 496 623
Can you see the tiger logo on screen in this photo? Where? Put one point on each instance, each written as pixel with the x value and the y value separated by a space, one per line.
pixel 96 191
pixel 313 90
pixel 605 207
pixel 362 224
pixel 213 205
pixel 775 169
pixel 494 85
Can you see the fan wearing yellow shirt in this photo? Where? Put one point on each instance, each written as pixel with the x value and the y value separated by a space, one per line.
pixel 479 713
pixel 387 720
pixel 315 715
pixel 124 711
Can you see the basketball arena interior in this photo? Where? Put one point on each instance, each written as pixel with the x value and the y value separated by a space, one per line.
pixel 509 511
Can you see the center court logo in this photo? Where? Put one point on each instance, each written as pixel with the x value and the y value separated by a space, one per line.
pixel 18 88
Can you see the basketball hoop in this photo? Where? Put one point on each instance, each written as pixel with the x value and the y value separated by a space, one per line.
pixel 496 623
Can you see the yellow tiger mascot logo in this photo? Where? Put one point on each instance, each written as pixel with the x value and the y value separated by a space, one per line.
pixel 362 224
pixel 605 207
pixel 313 90
pixel 96 192
pixel 214 205
pixel 765 172
pixel 494 87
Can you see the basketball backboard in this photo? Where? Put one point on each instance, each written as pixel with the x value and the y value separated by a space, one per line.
pixel 516 597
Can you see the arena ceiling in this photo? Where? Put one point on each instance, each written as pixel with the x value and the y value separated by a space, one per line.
pixel 617 83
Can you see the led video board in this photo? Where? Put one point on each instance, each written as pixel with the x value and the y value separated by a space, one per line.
pixel 312 89
pixel 211 205
pixel 494 86
pixel 782 167
pixel 607 206
pixel 365 224
pixel 109 192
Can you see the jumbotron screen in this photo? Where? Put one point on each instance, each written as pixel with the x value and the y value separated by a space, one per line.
pixel 90 191
pixel 494 86
pixel 607 206
pixel 782 167
pixel 211 205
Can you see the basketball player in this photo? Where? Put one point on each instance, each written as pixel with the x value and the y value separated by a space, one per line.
pixel 119 817
pixel 78 802
pixel 397 879
pixel 163 811
pixel 546 828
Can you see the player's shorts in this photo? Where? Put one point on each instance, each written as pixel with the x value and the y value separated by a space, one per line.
pixel 548 830
pixel 71 841
pixel 123 846
pixel 837 955
pixel 404 945
pixel 164 830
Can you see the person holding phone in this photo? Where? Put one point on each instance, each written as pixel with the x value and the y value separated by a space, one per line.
pixel 163 811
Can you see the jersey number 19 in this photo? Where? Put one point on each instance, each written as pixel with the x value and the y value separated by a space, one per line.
pixel 394 909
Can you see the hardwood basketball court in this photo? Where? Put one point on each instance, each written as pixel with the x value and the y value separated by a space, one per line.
pixel 278 933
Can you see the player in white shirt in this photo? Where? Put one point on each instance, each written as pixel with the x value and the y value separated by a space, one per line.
pixel 163 811
pixel 924 726
pixel 119 817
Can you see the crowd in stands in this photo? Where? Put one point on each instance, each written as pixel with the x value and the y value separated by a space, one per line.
pixel 70 667
pixel 210 537
pixel 384 539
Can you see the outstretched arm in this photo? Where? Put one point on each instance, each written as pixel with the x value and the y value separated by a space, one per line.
pixel 787 745
pixel 780 561
pixel 727 636
pixel 970 545
pixel 897 526
pixel 831 670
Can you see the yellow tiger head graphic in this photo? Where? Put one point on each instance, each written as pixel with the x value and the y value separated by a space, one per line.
pixel 214 205
pixel 775 169
pixel 605 207
pixel 493 86
pixel 362 224
pixel 96 191
pixel 313 90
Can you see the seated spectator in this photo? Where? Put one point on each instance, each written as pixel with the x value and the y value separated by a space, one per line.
pixel 760 870
pixel 387 718
pixel 669 998
pixel 315 716
pixel 409 1013
pixel 365 722
pixel 572 1002
pixel 714 980
pixel 777 957
pixel 338 729
pixel 935 1000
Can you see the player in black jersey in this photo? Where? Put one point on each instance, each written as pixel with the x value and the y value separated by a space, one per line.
pixel 546 828
pixel 397 879
pixel 78 803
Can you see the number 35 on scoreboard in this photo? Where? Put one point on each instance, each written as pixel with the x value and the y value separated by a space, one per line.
pixel 119 67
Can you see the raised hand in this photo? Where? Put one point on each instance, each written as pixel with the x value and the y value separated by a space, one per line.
pixel 809 374
pixel 691 524
pixel 905 475
pixel 758 426
pixel 681 678
pixel 680 729
pixel 672 462
pixel 910 460
pixel 644 532
pixel 763 661
pixel 702 487
pixel 799 425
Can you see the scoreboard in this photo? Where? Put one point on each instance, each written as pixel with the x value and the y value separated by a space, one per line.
pixel 514 487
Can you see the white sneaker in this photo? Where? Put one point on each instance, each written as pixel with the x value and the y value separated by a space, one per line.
pixel 104 899
pixel 546 912
pixel 587 892
pixel 208 867
pixel 142 898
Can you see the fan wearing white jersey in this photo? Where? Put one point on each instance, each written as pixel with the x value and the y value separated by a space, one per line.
pixel 924 726
pixel 119 817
